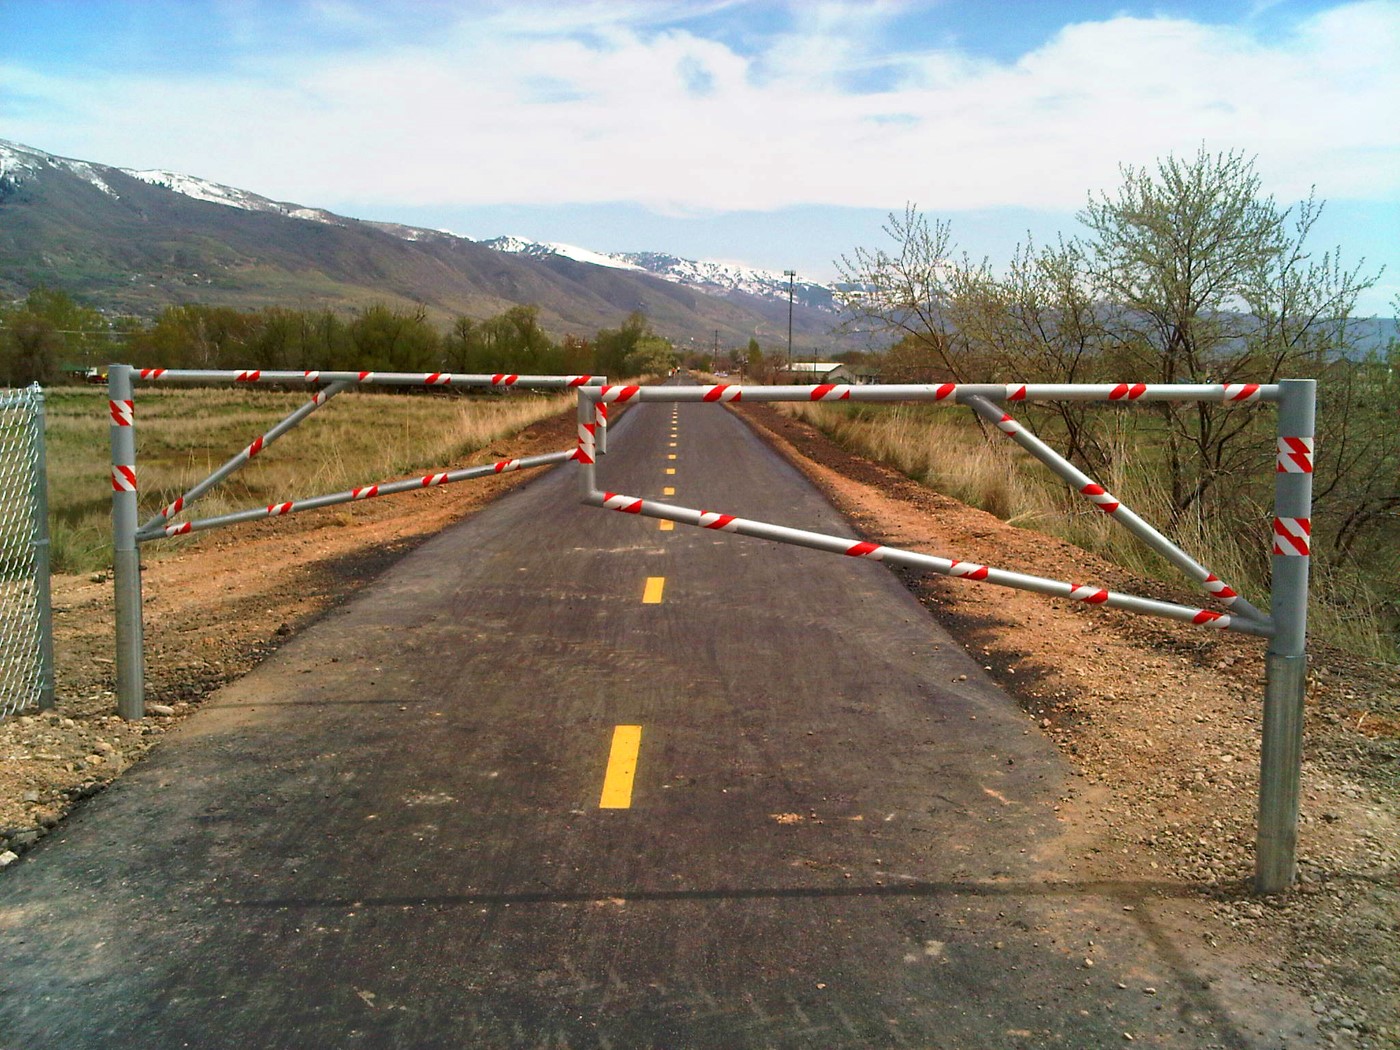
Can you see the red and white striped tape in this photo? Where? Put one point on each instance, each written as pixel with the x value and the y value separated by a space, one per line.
pixel 122 413
pixel 1015 391
pixel 504 465
pixel 1207 618
pixel 1222 591
pixel 276 510
pixel 1127 391
pixel 151 373
pixel 1092 595
pixel 579 380
pixel 123 478
pixel 178 530
pixel 968 570
pixel 710 519
pixel 248 375
pixel 173 509
pixel 502 379
pixel 625 504
pixel 430 480
pixel 945 391
pixel 1007 425
pixel 311 377
pixel 1295 456
pixel 1097 495
pixel 437 379
pixel 831 392
pixel 320 397
pixel 587 450
pixel 365 377
pixel 1293 537
pixel 364 492
pixel 1241 391
pixel 253 449
pixel 619 394
pixel 723 392
pixel 864 549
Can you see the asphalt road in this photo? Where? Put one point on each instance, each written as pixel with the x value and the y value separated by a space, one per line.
pixel 390 834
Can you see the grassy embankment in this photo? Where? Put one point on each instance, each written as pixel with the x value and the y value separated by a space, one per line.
pixel 184 434
pixel 945 451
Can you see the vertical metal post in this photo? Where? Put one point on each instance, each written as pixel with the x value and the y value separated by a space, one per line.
pixel 1286 662
pixel 42 596
pixel 587 451
pixel 126 557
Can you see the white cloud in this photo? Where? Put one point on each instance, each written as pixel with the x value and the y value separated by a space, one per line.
pixel 512 107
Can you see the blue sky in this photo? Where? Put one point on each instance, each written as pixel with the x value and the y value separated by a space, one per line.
pixel 778 134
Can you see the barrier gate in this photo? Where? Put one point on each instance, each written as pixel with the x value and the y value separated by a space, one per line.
pixel 127 535
pixel 1285 625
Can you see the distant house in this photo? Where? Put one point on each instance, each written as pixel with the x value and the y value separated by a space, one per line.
pixel 866 374
pixel 803 372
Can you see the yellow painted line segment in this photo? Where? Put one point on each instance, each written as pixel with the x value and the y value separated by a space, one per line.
pixel 622 768
pixel 670 470
pixel 651 593
pixel 668 491
pixel 670 455
pixel 667 524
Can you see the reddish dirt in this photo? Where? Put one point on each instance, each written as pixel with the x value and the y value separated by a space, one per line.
pixel 1161 722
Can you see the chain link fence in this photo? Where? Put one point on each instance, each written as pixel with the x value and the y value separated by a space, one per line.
pixel 26 617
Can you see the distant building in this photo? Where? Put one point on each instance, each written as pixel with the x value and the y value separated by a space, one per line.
pixel 804 372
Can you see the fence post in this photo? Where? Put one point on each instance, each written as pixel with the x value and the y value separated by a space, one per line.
pixel 42 595
pixel 126 557
pixel 1285 665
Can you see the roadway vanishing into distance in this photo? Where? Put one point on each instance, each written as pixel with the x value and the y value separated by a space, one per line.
pixel 569 778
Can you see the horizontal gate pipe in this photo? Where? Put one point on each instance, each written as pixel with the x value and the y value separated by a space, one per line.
pixel 967 570
pixel 951 393
pixel 259 444
pixel 426 379
pixel 1108 503
pixel 387 488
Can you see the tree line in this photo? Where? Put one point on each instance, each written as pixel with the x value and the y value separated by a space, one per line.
pixel 49 332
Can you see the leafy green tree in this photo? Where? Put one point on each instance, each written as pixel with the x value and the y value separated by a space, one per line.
pixel 1212 282
pixel 613 346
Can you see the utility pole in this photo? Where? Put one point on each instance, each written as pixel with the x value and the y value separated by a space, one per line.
pixel 790 275
pixel 714 358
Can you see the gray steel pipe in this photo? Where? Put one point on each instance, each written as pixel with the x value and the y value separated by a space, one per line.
pixel 968 570
pixel 126 557
pixel 949 393
pixel 1096 494
pixel 1285 668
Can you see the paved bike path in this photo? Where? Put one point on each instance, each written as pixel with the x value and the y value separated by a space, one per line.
pixel 839 834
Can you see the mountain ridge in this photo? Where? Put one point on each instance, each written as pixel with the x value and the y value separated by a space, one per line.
pixel 135 240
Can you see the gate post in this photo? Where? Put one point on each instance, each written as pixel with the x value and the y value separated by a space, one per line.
pixel 1285 665
pixel 42 595
pixel 126 557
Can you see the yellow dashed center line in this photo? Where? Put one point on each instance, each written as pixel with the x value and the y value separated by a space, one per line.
pixel 651 594
pixel 673 444
pixel 670 470
pixel 668 491
pixel 670 455
pixel 622 768
pixel 667 524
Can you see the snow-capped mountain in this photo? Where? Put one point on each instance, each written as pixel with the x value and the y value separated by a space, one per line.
pixel 136 240
pixel 712 278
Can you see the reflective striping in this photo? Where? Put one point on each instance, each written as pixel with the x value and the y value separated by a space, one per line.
pixel 651 593
pixel 1293 537
pixel 622 768
pixel 121 412
pixel 1127 391
pixel 123 478
pixel 1295 456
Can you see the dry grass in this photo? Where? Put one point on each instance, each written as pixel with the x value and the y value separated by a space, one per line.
pixel 183 435
pixel 945 450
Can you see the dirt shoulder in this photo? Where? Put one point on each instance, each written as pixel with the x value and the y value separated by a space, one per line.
pixel 1160 722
